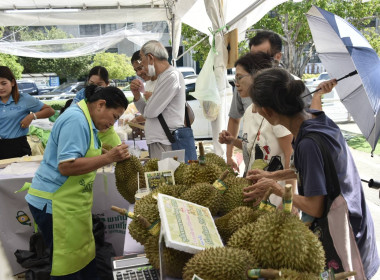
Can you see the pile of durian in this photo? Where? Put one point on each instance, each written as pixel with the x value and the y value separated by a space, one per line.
pixel 271 243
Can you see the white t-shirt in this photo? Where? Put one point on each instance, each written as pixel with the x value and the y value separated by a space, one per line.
pixel 265 140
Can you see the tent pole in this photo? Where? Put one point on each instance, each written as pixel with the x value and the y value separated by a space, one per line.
pixel 245 12
pixel 192 47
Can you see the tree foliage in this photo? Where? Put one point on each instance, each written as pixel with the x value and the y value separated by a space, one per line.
pixel 11 62
pixel 289 21
pixel 118 65
pixel 192 36
pixel 373 38
pixel 65 68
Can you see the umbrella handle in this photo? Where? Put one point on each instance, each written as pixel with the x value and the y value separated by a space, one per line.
pixel 372 183
pixel 348 75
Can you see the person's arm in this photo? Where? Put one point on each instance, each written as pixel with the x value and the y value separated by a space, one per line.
pixel 45 112
pixel 285 144
pixel 85 165
pixel 316 101
pixel 233 129
pixel 226 138
pixel 279 175
pixel 313 205
pixel 324 87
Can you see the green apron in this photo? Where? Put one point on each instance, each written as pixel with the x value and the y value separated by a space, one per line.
pixel 110 137
pixel 73 240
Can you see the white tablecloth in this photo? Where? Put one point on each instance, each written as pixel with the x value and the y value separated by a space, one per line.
pixel 16 221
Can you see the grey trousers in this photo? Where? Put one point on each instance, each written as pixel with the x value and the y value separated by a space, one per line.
pixel 156 149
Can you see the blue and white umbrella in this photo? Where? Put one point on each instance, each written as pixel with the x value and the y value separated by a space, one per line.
pixel 343 50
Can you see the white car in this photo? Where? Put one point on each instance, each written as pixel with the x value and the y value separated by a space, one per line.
pixel 201 126
pixel 331 104
pixel 312 85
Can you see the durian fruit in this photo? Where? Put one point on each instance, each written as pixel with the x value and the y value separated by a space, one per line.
pixel 288 274
pixel 204 194
pixel 234 220
pixel 233 197
pixel 197 173
pixel 220 264
pixel 179 177
pixel 174 260
pixel 106 146
pixel 151 165
pixel 219 161
pixel 281 240
pixel 129 173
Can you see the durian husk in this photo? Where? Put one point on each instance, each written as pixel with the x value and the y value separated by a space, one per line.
pixel 220 264
pixel 204 194
pixel 196 173
pixel 106 146
pixel 151 165
pixel 281 240
pixel 234 220
pixel 179 176
pixel 233 197
pixel 126 177
pixel 219 161
pixel 174 260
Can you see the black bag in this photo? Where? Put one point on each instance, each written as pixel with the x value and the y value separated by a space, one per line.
pixel 36 260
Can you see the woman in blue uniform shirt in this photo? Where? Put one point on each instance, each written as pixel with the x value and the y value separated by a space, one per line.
pixel 60 195
pixel 17 111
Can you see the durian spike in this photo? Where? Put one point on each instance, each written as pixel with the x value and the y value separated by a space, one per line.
pixel 287 200
pixel 123 211
pixel 263 273
pixel 190 161
pixel 344 275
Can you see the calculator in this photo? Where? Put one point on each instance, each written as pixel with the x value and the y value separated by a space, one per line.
pixel 133 267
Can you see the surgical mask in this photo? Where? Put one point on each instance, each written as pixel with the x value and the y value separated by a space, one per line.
pixel 151 70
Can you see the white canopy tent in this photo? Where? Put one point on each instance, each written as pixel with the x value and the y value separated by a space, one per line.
pixel 200 14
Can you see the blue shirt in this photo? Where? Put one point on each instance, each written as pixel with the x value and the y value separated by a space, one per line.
pixel 80 96
pixel 308 161
pixel 11 115
pixel 69 139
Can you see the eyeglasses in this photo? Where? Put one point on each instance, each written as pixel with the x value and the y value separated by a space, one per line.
pixel 238 78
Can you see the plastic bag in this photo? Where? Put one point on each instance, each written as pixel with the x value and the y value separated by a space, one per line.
pixel 206 89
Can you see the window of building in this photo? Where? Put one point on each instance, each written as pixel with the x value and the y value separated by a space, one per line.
pixel 89 30
pixel 105 28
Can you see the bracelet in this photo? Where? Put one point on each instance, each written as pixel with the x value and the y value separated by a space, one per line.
pixel 34 115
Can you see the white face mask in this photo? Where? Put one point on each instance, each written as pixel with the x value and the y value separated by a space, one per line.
pixel 151 70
